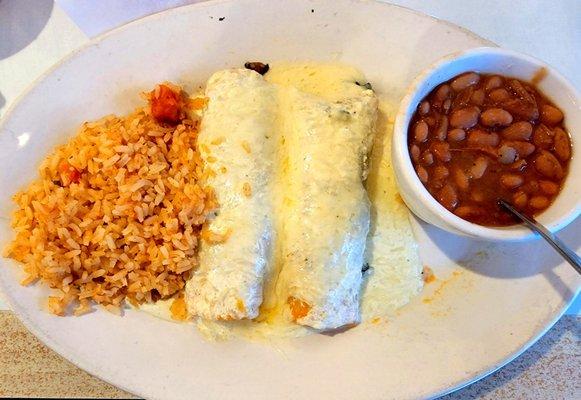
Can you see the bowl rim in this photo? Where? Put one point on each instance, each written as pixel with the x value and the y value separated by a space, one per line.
pixel 510 233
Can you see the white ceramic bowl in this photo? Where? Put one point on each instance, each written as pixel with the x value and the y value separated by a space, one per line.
pixel 567 205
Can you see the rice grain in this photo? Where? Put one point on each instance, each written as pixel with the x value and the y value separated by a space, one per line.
pixel 115 214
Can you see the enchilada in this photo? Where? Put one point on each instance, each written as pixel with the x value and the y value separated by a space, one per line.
pixel 237 143
pixel 325 206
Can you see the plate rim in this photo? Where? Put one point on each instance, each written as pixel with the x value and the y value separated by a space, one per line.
pixel 546 326
pixel 202 4
pixel 85 364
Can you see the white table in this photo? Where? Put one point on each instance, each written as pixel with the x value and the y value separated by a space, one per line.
pixel 35 34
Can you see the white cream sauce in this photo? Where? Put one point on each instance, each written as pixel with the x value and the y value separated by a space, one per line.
pixel 391 251
pixel 237 143
pixel 325 206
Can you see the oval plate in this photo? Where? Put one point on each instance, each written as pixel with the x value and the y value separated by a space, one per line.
pixel 490 303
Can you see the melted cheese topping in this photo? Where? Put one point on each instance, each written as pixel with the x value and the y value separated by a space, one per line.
pixel 394 276
pixel 395 269
pixel 325 206
pixel 332 82
pixel 236 141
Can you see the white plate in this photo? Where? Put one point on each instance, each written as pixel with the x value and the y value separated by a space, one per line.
pixel 500 299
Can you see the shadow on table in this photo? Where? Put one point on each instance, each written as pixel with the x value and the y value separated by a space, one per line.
pixel 511 377
pixel 509 260
pixel 25 19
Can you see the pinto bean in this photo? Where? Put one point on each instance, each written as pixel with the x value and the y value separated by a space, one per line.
pixel 562 144
pixel 421 131
pixel 521 109
pixel 499 95
pixel 442 130
pixel 520 199
pixel 548 187
pixel 415 153
pixel 442 151
pixel 477 195
pixel 521 91
pixel 456 135
pixel 524 149
pixel 478 97
pixel 548 165
pixel 521 130
pixel 496 117
pixel 436 184
pixel 465 118
pixel 446 105
pixel 463 98
pixel 478 137
pixel 507 154
pixel 427 158
pixel 465 80
pixel 531 187
pixel 468 211
pixel 539 202
pixel 440 172
pixel 518 165
pixel 448 197
pixel 431 121
pixel 551 115
pixel 424 107
pixel 511 181
pixel 441 94
pixel 422 174
pixel 543 137
pixel 461 179
pixel 493 82
pixel 479 167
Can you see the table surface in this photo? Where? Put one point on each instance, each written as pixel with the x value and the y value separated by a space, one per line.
pixel 35 34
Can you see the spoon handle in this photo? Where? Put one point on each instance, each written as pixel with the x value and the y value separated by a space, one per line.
pixel 553 240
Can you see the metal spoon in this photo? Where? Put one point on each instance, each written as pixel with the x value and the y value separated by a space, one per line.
pixel 554 241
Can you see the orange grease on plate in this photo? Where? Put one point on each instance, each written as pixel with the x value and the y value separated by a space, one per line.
pixel 178 308
pixel 442 286
pixel 428 274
